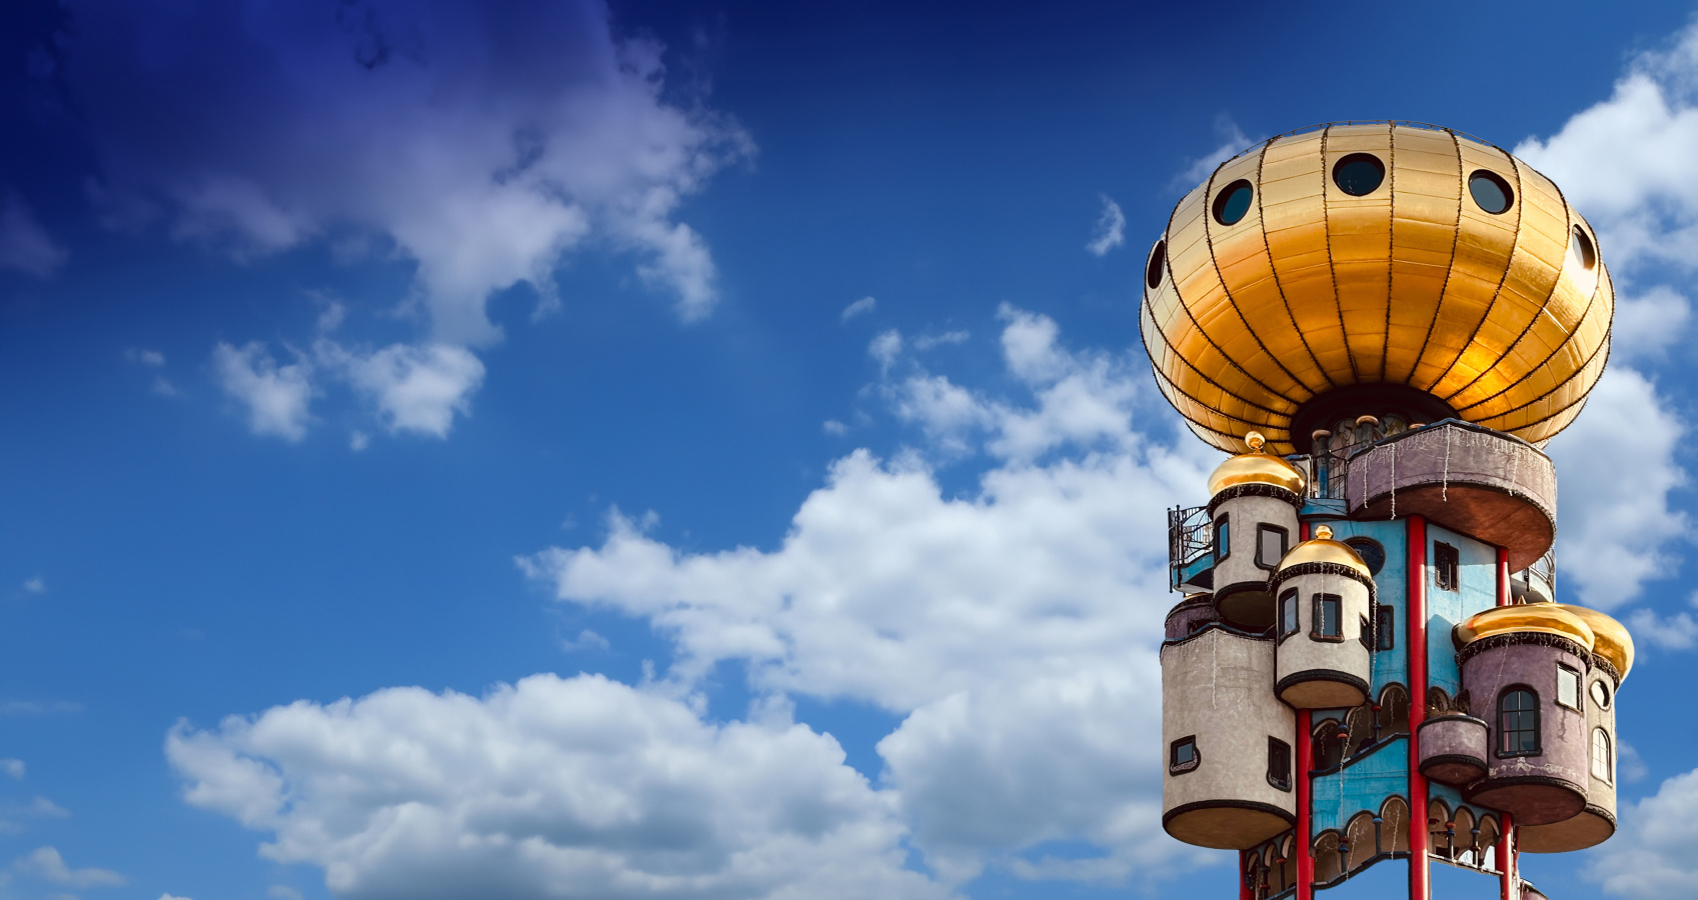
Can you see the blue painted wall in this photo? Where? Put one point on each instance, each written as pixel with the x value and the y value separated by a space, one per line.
pixel 1478 590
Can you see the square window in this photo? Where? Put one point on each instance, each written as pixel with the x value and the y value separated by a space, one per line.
pixel 1446 567
pixel 1568 687
pixel 1279 764
pixel 1183 755
pixel 1329 619
pixel 1385 630
pixel 1270 546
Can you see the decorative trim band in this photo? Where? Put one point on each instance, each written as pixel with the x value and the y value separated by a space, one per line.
pixel 1254 490
pixel 1321 568
pixel 1520 638
pixel 1249 805
pixel 1333 675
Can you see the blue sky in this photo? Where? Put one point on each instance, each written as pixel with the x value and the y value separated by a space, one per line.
pixel 688 450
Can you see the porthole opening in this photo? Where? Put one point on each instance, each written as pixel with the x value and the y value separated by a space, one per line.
pixel 1581 250
pixel 1158 262
pixel 1371 552
pixel 1490 192
pixel 1359 174
pixel 1232 203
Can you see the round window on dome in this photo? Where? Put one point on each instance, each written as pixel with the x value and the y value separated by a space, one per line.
pixel 1359 174
pixel 1490 192
pixel 1232 203
pixel 1158 263
pixel 1580 249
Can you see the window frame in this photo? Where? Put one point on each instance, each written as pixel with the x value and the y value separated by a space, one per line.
pixel 1609 696
pixel 1288 599
pixel 1608 775
pixel 1317 619
pixel 1385 630
pixel 1276 749
pixel 1447 567
pixel 1579 683
pixel 1538 748
pixel 1223 537
pixel 1191 765
pixel 1284 543
pixel 1366 634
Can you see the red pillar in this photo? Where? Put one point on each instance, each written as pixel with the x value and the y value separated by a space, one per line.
pixel 1419 889
pixel 1305 803
pixel 1506 858
pixel 1503 577
pixel 1245 892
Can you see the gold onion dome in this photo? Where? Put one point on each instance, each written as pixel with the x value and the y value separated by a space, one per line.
pixel 1322 548
pixel 1256 467
pixel 1367 261
pixel 1529 618
pixel 1613 642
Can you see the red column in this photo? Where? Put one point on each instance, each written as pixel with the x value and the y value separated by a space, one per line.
pixel 1305 803
pixel 1245 892
pixel 1503 577
pixel 1506 858
pixel 1419 889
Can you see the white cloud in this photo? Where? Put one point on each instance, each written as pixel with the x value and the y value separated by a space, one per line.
pixel 145 357
pixel 1651 857
pixel 13 767
pixel 415 388
pixel 358 440
pixel 1615 524
pixel 1674 632
pixel 24 244
pixel 35 585
pixel 1232 143
pixel 586 640
pixel 487 143
pixel 859 307
pixel 928 341
pixel 276 396
pixel 46 863
pixel 550 788
pixel 1645 326
pixel 885 348
pixel 834 428
pixel 1110 230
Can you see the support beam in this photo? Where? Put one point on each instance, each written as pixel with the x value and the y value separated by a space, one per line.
pixel 1419 887
pixel 1504 595
pixel 1245 891
pixel 1506 858
pixel 1305 803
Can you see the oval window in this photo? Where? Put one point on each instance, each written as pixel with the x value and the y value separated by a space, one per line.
pixel 1371 552
pixel 1490 192
pixel 1600 695
pixel 1158 262
pixel 1359 174
pixel 1580 249
pixel 1232 203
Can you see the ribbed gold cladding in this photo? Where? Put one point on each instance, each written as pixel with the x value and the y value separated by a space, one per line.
pixel 1531 618
pixel 1411 284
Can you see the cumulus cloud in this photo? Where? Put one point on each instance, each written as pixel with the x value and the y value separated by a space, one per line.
pixel 13 767
pixel 416 388
pixel 24 244
pixel 1232 142
pixel 549 788
pixel 1652 855
pixel 484 142
pixel 1615 524
pixel 276 396
pixel 1110 230
pixel 859 308
pixel 885 348
pixel 46 863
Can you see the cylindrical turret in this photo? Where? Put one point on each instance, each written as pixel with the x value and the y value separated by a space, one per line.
pixel 1325 597
pixel 1453 748
pixel 1190 615
pixel 1525 666
pixel 1228 778
pixel 1612 656
pixel 1254 498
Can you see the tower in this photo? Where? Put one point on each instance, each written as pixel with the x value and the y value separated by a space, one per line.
pixel 1383 324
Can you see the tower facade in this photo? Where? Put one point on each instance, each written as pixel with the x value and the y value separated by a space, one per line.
pixel 1383 324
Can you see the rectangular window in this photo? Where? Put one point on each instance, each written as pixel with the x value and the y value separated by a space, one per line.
pixel 1223 538
pixel 1385 631
pixel 1518 723
pixel 1568 687
pixel 1288 613
pixel 1446 567
pixel 1183 756
pixel 1279 764
pixel 1270 545
pixel 1329 618
pixel 1366 635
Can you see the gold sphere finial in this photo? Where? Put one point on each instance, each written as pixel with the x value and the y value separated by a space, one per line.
pixel 1255 440
pixel 1323 532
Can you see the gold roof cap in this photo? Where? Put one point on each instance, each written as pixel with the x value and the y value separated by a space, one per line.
pixel 1256 467
pixel 1613 643
pixel 1322 548
pixel 1358 254
pixel 1528 618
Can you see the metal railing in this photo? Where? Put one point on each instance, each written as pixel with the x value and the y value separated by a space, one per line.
pixel 1189 539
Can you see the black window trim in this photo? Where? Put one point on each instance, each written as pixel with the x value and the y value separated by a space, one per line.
pixel 1284 541
pixel 1454 570
pixel 1385 630
pixel 1538 725
pixel 1293 596
pixel 1282 782
pixel 1173 764
pixel 1366 635
pixel 1579 704
pixel 1223 525
pixel 1316 618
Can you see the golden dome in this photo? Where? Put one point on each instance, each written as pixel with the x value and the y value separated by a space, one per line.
pixel 1613 643
pixel 1402 256
pixel 1256 467
pixel 1537 618
pixel 1322 548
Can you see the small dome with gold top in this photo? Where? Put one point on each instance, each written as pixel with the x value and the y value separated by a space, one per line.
pixel 1613 642
pixel 1389 269
pixel 1256 467
pixel 1322 548
pixel 1529 618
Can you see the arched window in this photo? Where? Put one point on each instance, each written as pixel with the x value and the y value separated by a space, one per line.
pixel 1601 760
pixel 1518 722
